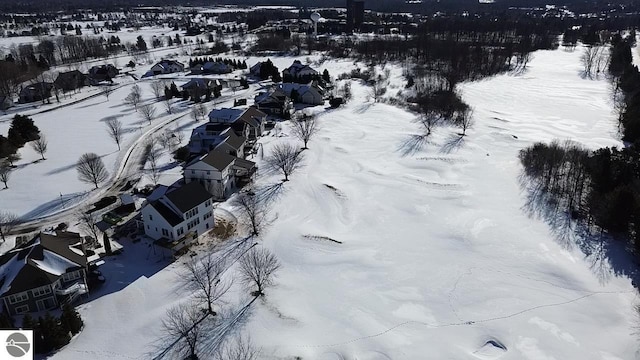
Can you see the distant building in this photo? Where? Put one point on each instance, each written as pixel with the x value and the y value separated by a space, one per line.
pixel 166 67
pixel 5 102
pixel 299 72
pixel 36 92
pixel 218 172
pixel 355 14
pixel 100 73
pixel 70 80
pixel 303 93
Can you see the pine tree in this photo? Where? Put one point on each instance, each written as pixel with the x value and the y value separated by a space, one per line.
pixel 28 322
pixel 70 320
pixel 6 321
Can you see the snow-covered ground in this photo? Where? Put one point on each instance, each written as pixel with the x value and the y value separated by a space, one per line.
pixel 438 258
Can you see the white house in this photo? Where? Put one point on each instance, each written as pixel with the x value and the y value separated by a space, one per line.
pixel 178 217
pixel 307 93
pixel 218 172
pixel 167 67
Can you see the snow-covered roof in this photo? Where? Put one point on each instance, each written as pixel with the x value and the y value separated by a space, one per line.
pixel 38 263
pixel 225 115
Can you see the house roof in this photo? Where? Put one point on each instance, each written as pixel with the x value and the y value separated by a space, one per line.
pixel 245 164
pixel 233 140
pixel 188 196
pixel 297 67
pixel 216 127
pixel 169 215
pixel 39 262
pixel 217 159
pixel 199 82
pixel 226 114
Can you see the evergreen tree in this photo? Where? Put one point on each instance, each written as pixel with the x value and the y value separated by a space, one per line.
pixel 29 323
pixel 141 44
pixel 6 321
pixel 70 320
pixel 22 130
pixel 325 76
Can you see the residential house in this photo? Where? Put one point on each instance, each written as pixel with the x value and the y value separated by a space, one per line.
pixel 70 80
pixel 255 69
pixel 167 67
pixel 216 68
pixel 100 73
pixel 5 102
pixel 274 102
pixel 209 136
pixel 36 92
pixel 298 72
pixel 218 172
pixel 304 93
pixel 44 273
pixel 248 122
pixel 200 86
pixel 251 123
pixel 179 216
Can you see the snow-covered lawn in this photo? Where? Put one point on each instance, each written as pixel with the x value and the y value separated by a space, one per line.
pixel 438 258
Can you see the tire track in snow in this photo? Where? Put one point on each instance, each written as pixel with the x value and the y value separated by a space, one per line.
pixel 468 322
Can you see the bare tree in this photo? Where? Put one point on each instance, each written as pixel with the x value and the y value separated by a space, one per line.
pixel 204 278
pixel 183 327
pixel 257 269
pixel 253 210
pixel 305 128
pixel 134 97
pixel 379 87
pixel 91 169
pixel 114 129
pixel 285 158
pixel 240 349
pixel 147 112
pixel 40 145
pixel 593 60
pixel 158 89
pixel 464 119
pixel 5 173
pixel 429 120
pixel 8 222
pixel 88 224
pixel 199 112
pixel 152 158
pixel 168 106
pixel 106 91
pixel 12 158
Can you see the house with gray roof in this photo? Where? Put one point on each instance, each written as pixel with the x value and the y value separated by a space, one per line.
pixel 44 273
pixel 218 172
pixel 177 218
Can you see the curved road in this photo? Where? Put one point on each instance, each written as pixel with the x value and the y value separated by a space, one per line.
pixel 129 168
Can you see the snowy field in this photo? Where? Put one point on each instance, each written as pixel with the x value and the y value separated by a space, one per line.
pixel 437 257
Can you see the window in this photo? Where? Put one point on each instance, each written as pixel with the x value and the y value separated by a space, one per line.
pixel 16 298
pixel 180 231
pixel 22 309
pixel 43 290
pixel 208 172
pixel 165 232
pixel 193 171
pixel 207 215
pixel 71 276
pixel 150 217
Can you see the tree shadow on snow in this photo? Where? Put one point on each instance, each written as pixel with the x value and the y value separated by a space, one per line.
pixel 452 143
pixel 411 144
pixel 606 257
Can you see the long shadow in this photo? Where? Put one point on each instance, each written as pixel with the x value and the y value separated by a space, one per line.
pixel 607 257
pixel 412 144
pixel 452 143
pixel 70 166
pixel 137 261
pixel 51 206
